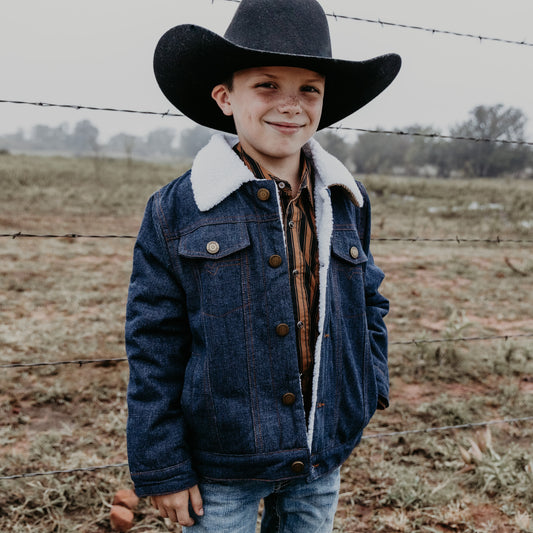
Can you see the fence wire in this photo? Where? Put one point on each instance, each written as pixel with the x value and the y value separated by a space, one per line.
pixel 365 437
pixel 340 127
pixel 69 471
pixel 433 31
pixel 20 235
pixel 461 339
pixel 457 239
pixel 82 362
pixel 79 362
pixel 471 425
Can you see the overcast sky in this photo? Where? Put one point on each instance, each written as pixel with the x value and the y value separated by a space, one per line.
pixel 99 53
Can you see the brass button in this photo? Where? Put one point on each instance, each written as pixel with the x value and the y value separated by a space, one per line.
pixel 288 399
pixel 275 261
pixel 297 467
pixel 354 252
pixel 282 330
pixel 213 247
pixel 263 194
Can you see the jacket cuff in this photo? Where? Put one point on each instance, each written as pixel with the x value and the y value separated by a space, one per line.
pixel 165 481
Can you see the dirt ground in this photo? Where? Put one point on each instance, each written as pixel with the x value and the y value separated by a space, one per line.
pixel 63 299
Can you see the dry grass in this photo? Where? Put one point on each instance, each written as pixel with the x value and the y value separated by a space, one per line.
pixel 63 299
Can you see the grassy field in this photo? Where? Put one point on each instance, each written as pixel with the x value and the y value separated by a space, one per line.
pixel 64 299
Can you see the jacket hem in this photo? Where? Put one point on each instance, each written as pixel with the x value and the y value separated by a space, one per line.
pixel 275 466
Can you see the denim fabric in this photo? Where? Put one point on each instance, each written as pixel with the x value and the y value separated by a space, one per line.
pixel 290 507
pixel 208 368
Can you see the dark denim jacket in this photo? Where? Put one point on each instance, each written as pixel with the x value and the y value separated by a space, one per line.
pixel 214 387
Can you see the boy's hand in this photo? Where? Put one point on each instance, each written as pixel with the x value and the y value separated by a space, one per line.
pixel 176 506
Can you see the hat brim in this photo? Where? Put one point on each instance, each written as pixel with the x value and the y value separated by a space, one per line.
pixel 190 60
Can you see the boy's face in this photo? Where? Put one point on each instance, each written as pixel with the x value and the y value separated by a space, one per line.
pixel 276 110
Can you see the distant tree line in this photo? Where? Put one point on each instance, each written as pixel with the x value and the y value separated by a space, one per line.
pixel 428 156
pixel 370 153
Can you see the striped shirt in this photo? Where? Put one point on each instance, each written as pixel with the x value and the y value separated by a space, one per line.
pixel 302 253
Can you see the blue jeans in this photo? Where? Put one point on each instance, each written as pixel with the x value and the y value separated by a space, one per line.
pixel 290 506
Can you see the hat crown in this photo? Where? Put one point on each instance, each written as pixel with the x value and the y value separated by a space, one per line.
pixel 296 27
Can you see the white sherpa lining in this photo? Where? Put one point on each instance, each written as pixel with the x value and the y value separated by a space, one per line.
pixel 218 171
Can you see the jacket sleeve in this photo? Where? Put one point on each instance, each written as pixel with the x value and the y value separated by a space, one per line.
pixel 158 348
pixel 377 307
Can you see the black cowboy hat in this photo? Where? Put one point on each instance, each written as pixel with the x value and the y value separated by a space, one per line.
pixel 190 60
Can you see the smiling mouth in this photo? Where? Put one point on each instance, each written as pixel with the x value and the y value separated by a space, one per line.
pixel 286 127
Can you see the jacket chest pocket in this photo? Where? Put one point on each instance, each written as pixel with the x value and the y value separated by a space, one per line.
pixel 348 261
pixel 217 255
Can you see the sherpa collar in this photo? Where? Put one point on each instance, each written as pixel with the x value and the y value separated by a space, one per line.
pixel 218 171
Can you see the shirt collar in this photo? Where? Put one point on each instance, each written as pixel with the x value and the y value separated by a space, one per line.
pixel 262 173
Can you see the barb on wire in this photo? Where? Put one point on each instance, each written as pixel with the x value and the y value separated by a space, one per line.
pixel 448 428
pixel 70 471
pixel 81 362
pixel 433 31
pixel 456 239
pixel 365 437
pixel 337 128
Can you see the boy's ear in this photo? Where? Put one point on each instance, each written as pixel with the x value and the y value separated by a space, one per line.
pixel 221 96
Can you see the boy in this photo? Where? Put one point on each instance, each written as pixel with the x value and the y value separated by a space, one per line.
pixel 255 332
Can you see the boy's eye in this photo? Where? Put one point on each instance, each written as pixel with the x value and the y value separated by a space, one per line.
pixel 266 84
pixel 310 89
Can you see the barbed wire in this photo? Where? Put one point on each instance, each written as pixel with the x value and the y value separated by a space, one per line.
pixel 335 128
pixel 94 108
pixel 471 425
pixel 82 362
pixel 434 135
pixel 456 239
pixel 461 339
pixel 69 471
pixel 79 362
pixel 433 31
pixel 448 428
pixel 21 235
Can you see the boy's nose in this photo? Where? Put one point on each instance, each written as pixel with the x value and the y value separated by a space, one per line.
pixel 290 104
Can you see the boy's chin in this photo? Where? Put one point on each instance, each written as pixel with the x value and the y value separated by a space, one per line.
pixel 282 151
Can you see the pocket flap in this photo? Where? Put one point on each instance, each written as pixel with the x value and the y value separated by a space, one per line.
pixel 214 241
pixel 346 245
